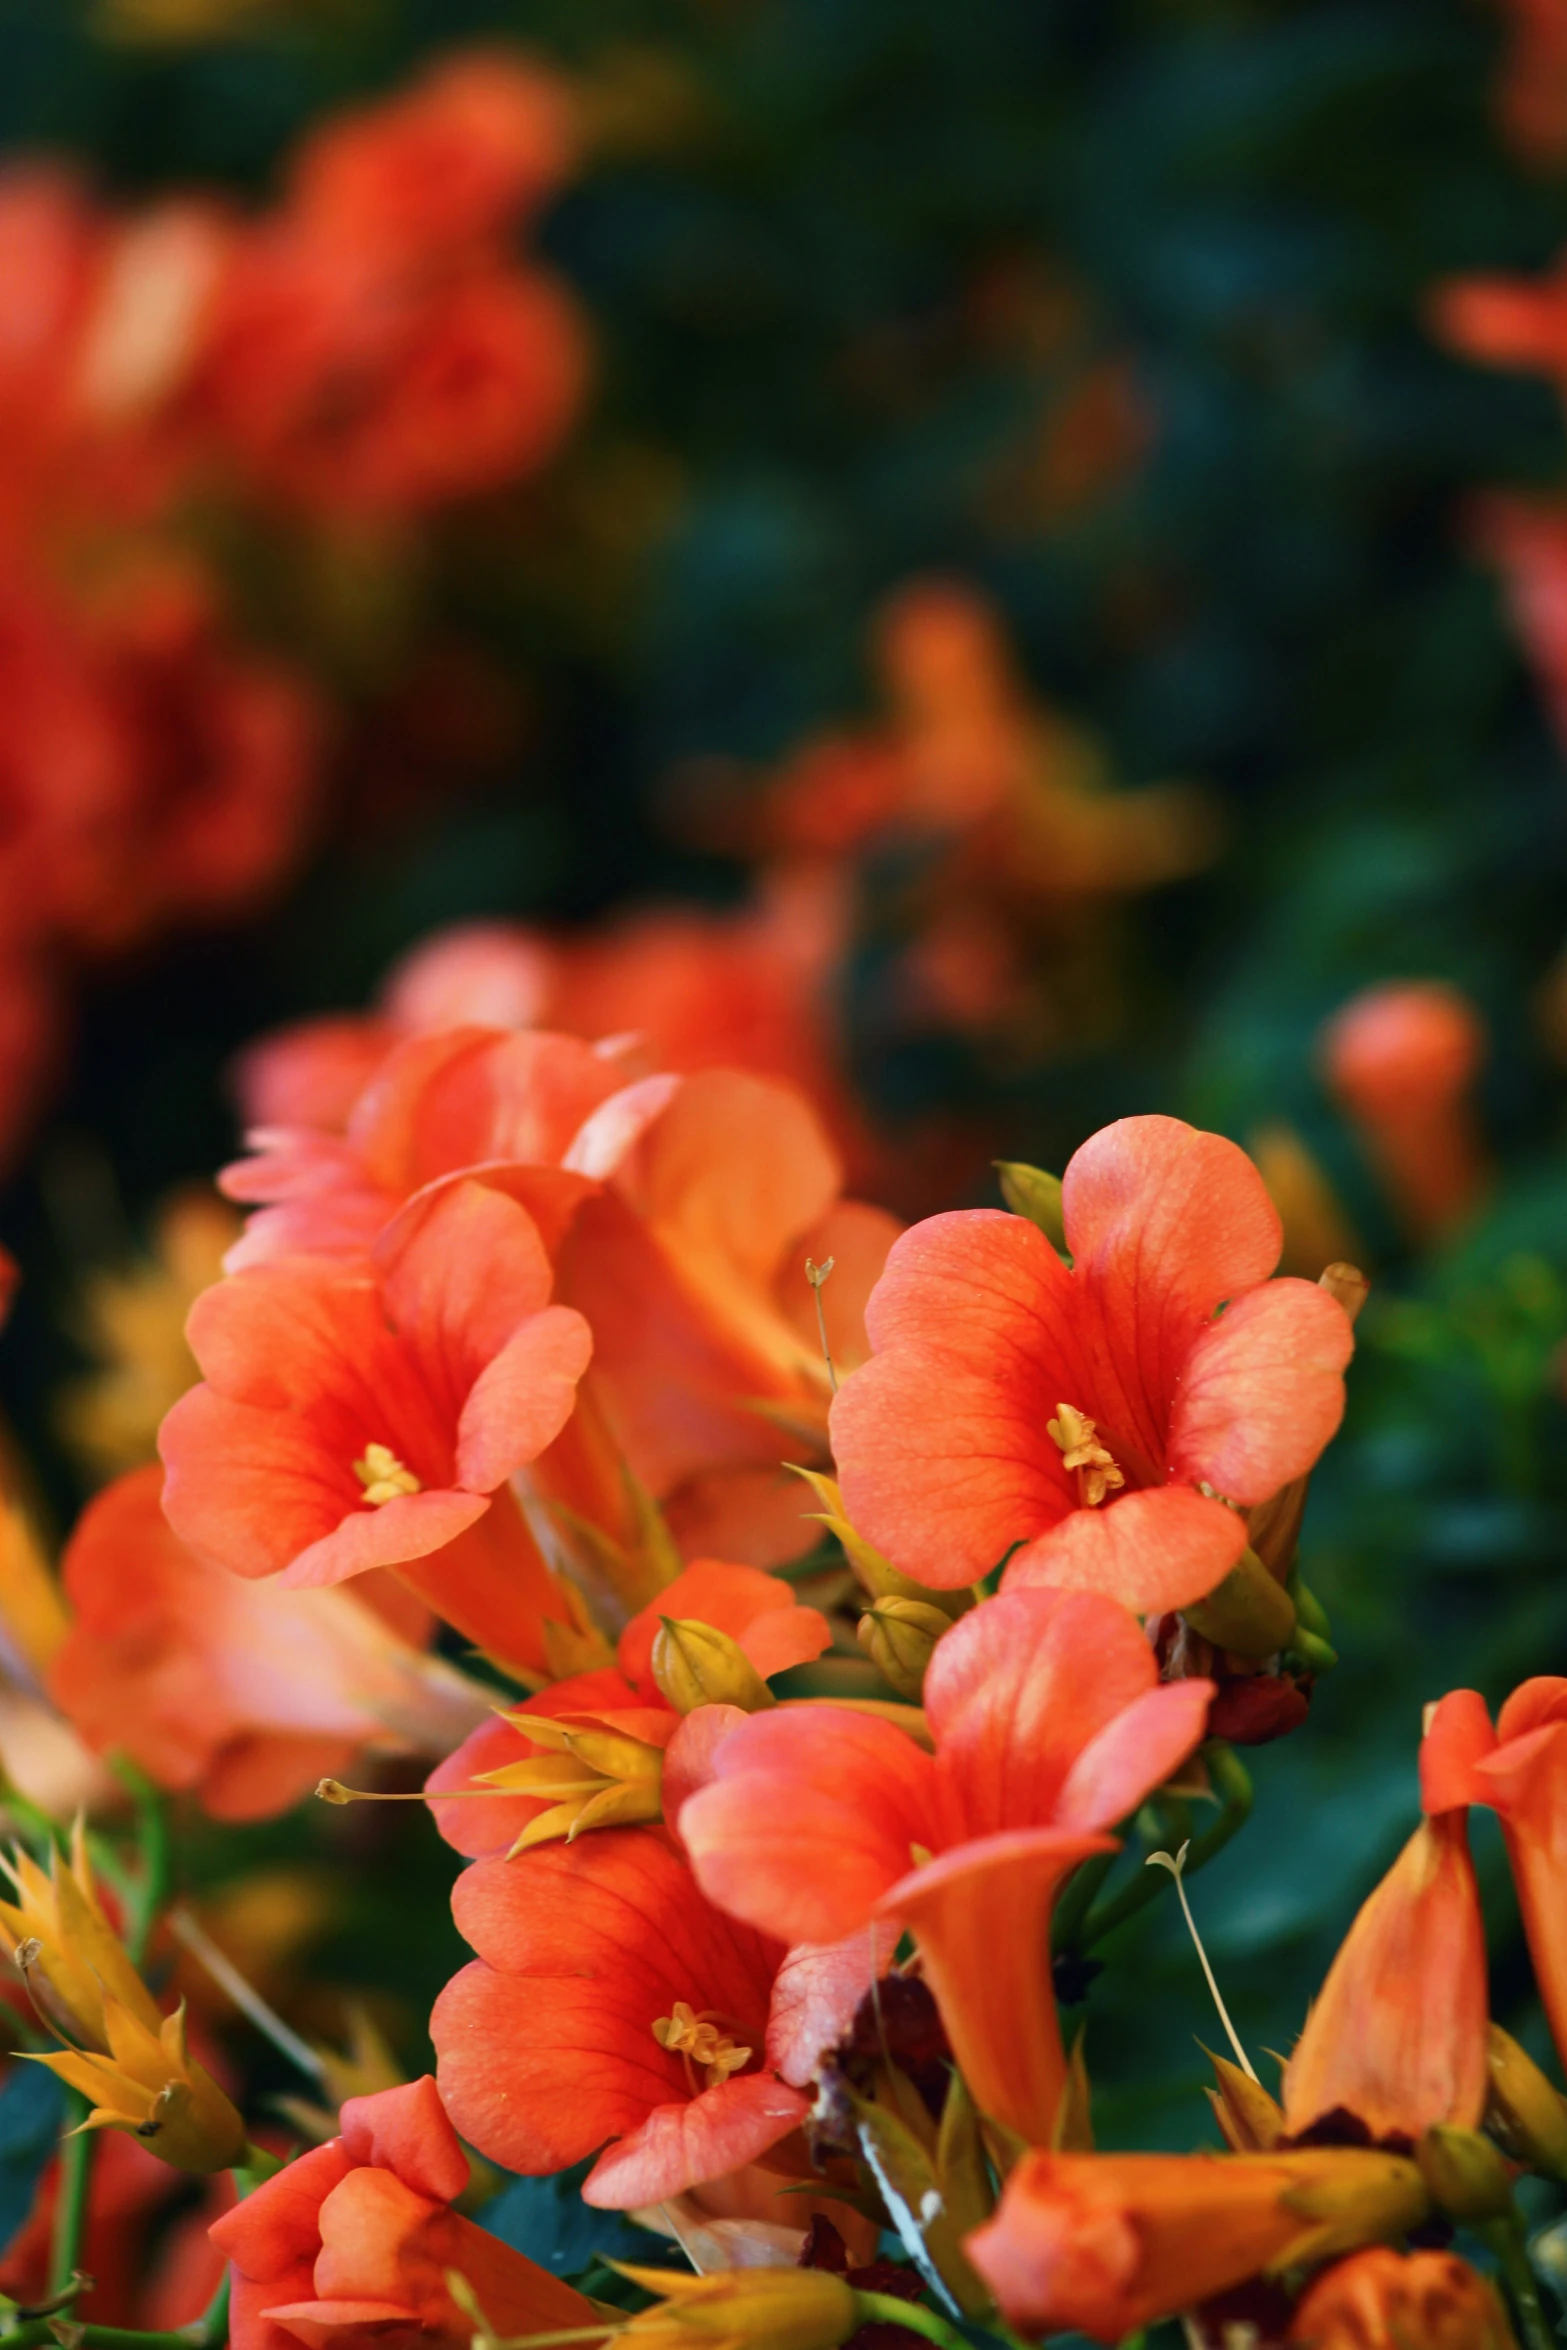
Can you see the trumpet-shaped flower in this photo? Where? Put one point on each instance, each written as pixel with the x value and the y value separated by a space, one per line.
pixel 241 1691
pixel 1519 1770
pixel 1049 1725
pixel 354 2242
pixel 610 2006
pixel 1397 2036
pixel 1105 2243
pixel 350 1421
pixel 1092 1415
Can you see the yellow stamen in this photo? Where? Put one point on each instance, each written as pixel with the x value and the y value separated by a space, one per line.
pixel 383 1476
pixel 1097 1473
pixel 697 2038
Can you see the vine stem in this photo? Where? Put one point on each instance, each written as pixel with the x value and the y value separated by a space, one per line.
pixel 887 2309
pixel 151 1890
pixel 70 2212
pixel 1506 2238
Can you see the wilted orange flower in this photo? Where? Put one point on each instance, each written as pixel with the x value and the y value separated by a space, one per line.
pixel 1087 1420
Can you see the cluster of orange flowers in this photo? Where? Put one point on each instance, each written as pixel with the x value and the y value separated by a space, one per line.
pixel 772 1827
pixel 175 380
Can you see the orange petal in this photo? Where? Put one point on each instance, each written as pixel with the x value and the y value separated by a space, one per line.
pixel 685 2145
pixel 1397 2035
pixel 1151 1551
pixel 1263 1391
pixel 981 1917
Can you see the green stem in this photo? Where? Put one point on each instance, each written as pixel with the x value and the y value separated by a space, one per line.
pixel 152 1836
pixel 215 2317
pixel 1075 1902
pixel 1233 1781
pixel 1506 2238
pixel 887 2309
pixel 70 2212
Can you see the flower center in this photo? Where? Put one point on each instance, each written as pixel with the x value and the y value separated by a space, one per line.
pixel 698 2040
pixel 1097 1473
pixel 383 1476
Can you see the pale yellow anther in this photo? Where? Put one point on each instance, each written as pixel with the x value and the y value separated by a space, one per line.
pixel 383 1476
pixel 1097 1473
pixel 699 2040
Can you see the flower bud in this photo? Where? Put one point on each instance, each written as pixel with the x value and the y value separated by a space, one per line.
pixel 899 1636
pixel 1356 2196
pixel 594 1775
pixel 149 2084
pixel 1401 1060
pixel 1252 2122
pixel 1349 1285
pixel 1383 2300
pixel 743 2309
pixel 1030 1192
pixel 1250 1614
pixel 1467 2177
pixel 1528 2115
pixel 695 1665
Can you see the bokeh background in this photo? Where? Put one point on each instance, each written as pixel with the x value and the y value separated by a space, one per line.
pixel 1025 559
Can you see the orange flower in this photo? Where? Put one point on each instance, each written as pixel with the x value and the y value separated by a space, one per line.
pixel 610 2006
pixel 374 347
pixel 435 1106
pixel 481 139
pixel 1089 1415
pixel 1402 1060
pixel 350 1420
pixel 353 2243
pixel 1382 2300
pixel 1397 2035
pixel 690 1264
pixel 242 1691
pixel 1049 1726
pixel 1519 1770
pixel 1105 2243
